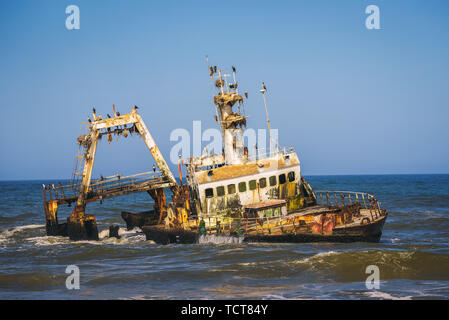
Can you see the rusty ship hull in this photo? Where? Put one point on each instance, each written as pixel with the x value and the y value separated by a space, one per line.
pixel 353 222
pixel 370 232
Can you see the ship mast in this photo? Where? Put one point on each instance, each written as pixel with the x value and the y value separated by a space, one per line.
pixel 231 122
pixel 266 111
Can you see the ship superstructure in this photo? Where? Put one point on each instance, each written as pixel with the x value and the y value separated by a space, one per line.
pixel 224 184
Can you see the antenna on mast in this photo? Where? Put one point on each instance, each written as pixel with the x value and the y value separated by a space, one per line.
pixel 211 69
pixel 220 82
pixel 235 84
pixel 266 110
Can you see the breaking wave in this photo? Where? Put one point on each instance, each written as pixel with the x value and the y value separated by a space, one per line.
pixel 217 239
pixel 393 264
pixel 385 296
pixel 8 234
pixel 126 237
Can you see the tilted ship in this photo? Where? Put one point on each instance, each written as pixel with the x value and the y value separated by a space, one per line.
pixel 258 197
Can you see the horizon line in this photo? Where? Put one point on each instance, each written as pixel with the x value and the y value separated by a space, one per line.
pixel 310 175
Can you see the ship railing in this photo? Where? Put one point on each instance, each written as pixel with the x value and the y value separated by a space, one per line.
pixel 344 198
pixel 221 225
pixel 69 192
pixel 266 153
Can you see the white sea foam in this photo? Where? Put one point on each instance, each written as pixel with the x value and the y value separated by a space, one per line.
pixel 316 257
pixel 232 250
pixel 385 296
pixel 138 297
pixel 5 235
pixel 127 237
pixel 218 239
pixel 103 234
pixel 255 263
pixel 48 241
pixel 274 297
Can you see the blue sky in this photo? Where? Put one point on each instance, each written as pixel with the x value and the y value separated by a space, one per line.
pixel 348 99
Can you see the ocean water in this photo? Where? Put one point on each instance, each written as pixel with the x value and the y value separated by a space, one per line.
pixel 412 256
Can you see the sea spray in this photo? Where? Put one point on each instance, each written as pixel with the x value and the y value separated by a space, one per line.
pixel 219 239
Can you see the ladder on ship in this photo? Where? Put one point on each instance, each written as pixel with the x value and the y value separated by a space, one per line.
pixel 78 165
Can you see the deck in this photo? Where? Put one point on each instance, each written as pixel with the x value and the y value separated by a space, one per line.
pixel 106 188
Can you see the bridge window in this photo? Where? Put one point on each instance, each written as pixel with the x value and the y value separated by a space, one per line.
pixel 252 185
pixel 263 182
pixel 220 191
pixel 272 181
pixel 209 193
pixel 282 179
pixel 242 186
pixel 231 188
pixel 291 176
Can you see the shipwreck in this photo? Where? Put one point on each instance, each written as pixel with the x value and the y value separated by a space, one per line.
pixel 258 197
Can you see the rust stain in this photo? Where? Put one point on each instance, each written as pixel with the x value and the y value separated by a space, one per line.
pixel 228 172
pixel 241 170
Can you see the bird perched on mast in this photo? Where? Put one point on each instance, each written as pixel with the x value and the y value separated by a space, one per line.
pixel 264 87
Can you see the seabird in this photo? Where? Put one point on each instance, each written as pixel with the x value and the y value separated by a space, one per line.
pixel 246 94
pixel 263 85
pixel 233 69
